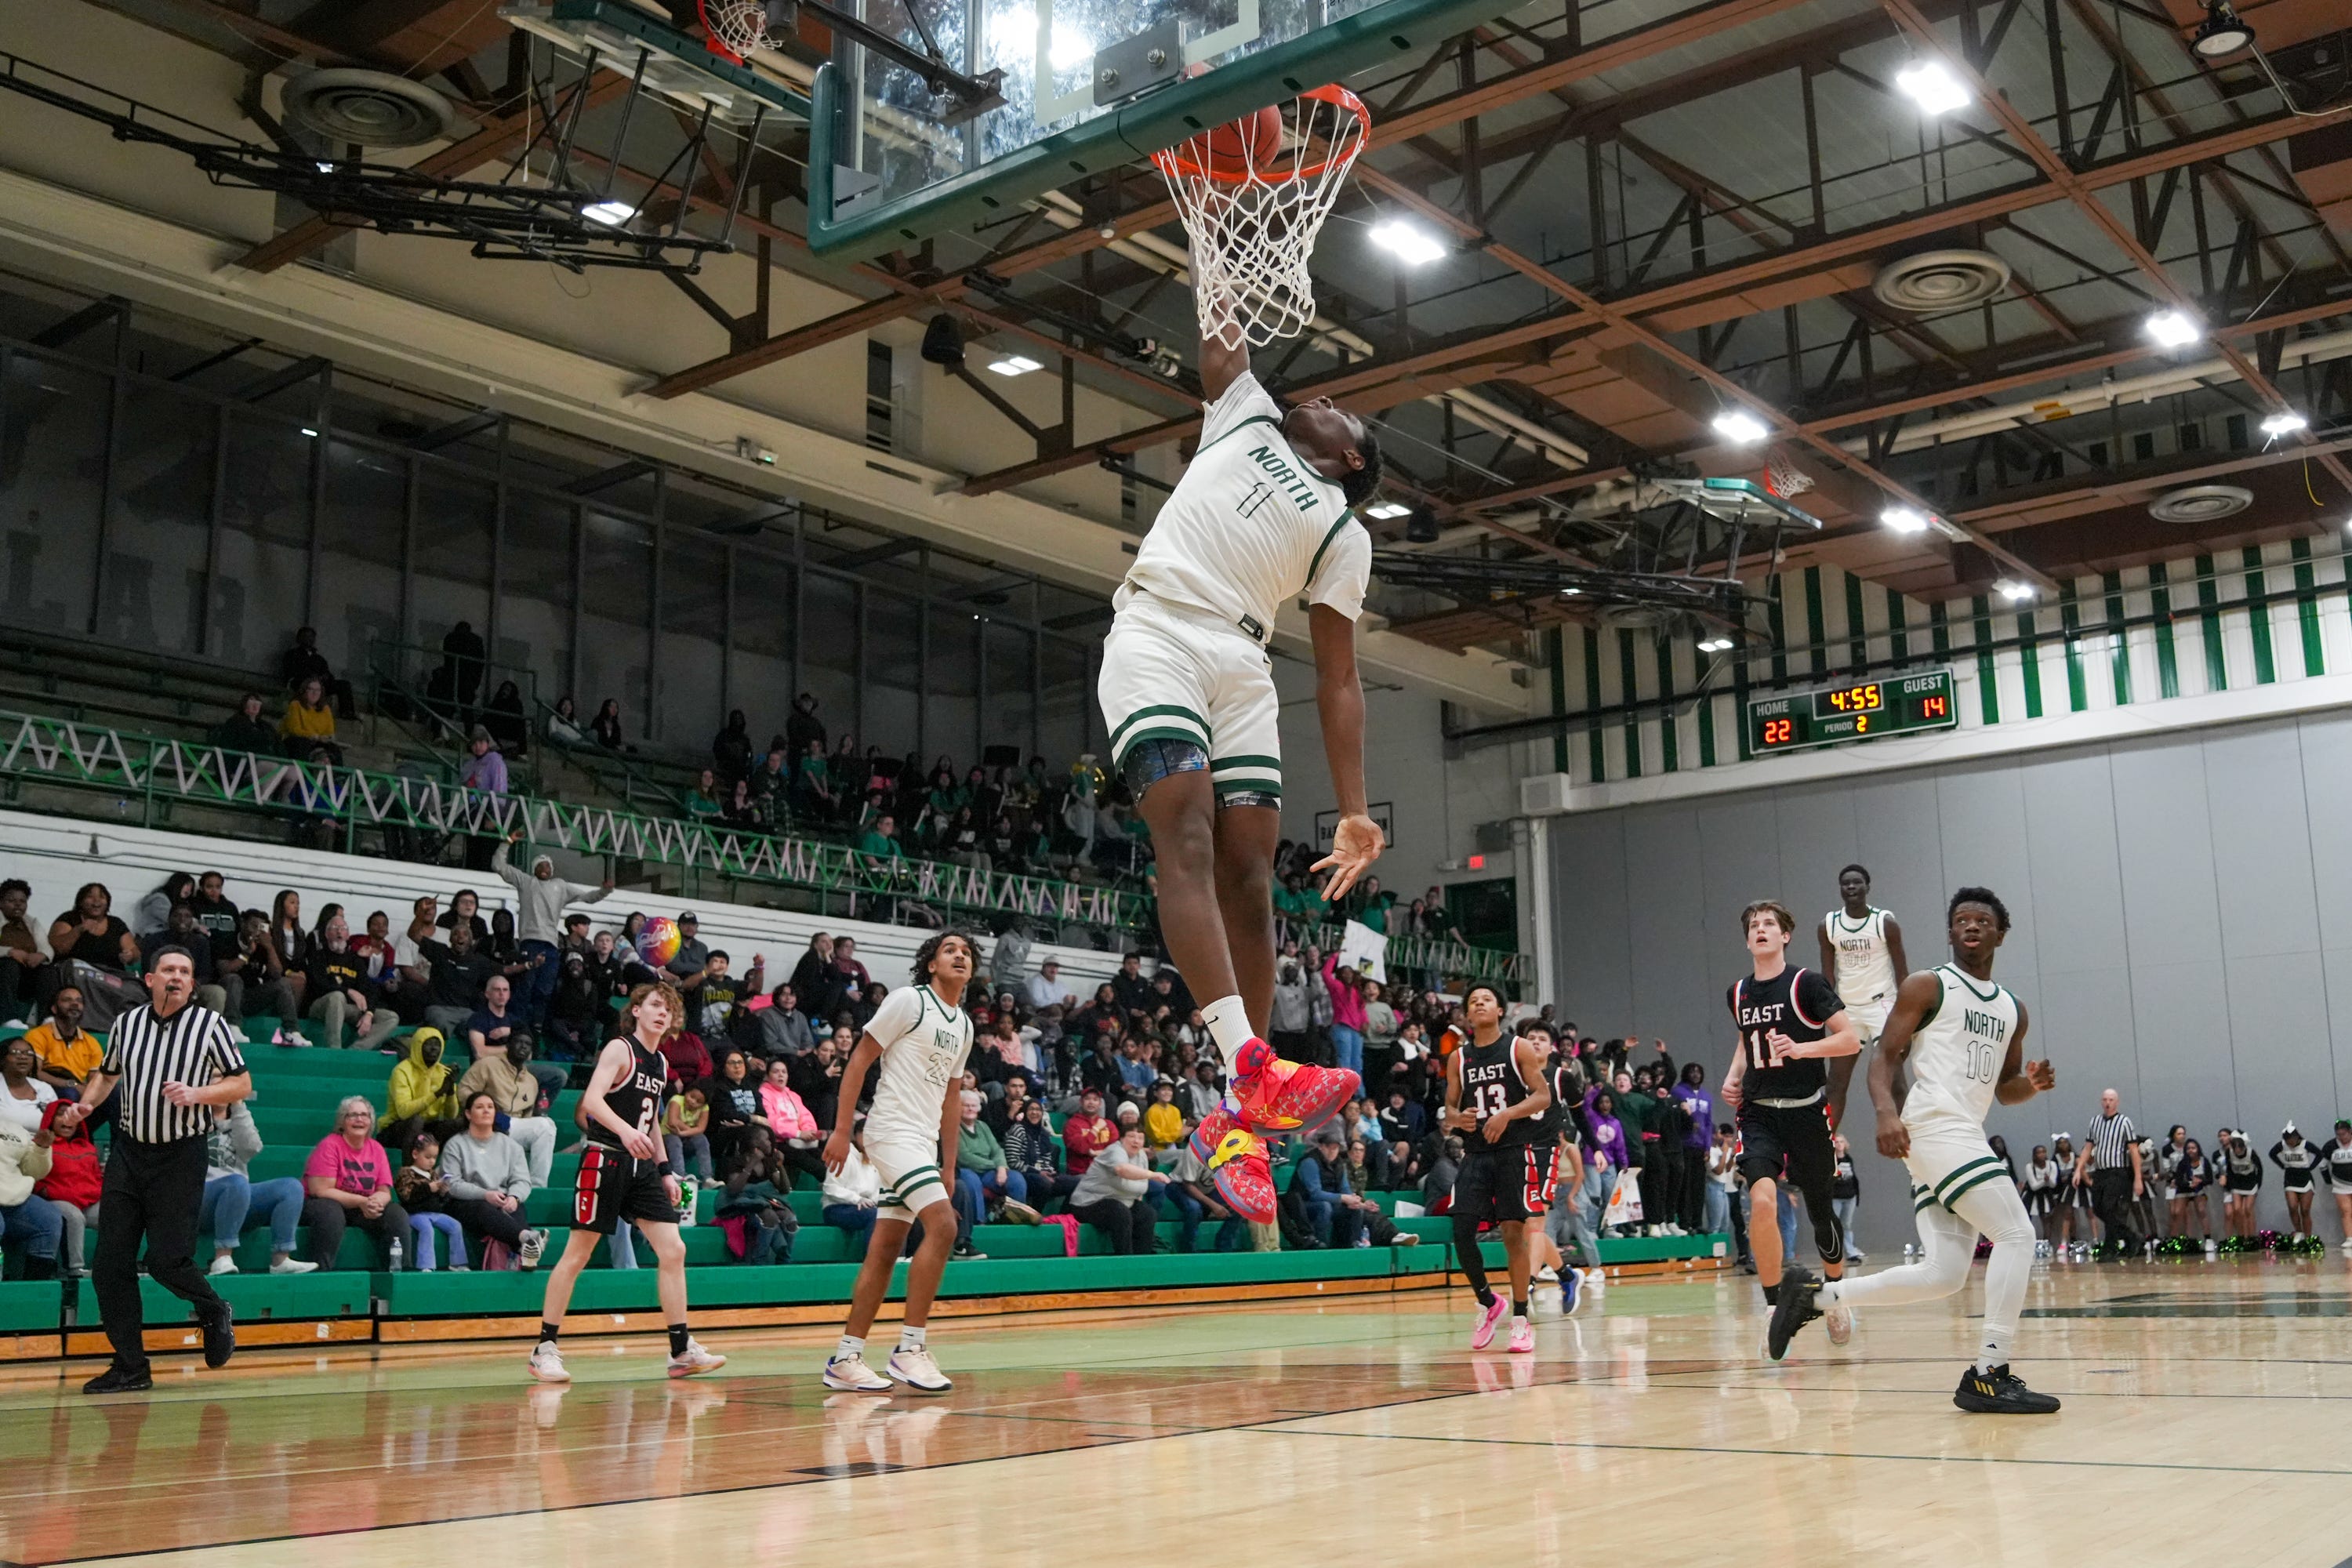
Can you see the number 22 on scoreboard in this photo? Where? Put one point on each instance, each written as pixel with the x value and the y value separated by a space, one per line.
pixel 1780 732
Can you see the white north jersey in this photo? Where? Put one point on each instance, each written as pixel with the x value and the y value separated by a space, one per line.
pixel 924 1044
pixel 1958 1052
pixel 1250 525
pixel 1866 968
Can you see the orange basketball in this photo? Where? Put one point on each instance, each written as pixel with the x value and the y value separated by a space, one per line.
pixel 1248 143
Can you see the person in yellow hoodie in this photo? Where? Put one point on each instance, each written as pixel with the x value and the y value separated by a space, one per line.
pixel 423 1093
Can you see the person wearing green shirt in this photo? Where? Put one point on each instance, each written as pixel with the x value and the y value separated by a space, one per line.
pixel 982 1175
pixel 702 801
pixel 879 845
pixel 1372 906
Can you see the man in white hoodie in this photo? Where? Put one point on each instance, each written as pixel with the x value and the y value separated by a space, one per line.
pixel 540 900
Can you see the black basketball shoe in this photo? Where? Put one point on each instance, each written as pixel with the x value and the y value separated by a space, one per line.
pixel 2000 1392
pixel 1794 1309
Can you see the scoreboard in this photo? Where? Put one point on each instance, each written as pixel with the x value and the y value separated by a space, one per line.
pixel 1898 705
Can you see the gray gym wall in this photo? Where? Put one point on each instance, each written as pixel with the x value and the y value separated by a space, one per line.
pixel 2182 909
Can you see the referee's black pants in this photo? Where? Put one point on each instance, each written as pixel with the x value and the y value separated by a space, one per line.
pixel 152 1194
pixel 2111 1198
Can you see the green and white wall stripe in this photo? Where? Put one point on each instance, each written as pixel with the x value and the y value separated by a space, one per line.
pixel 2239 619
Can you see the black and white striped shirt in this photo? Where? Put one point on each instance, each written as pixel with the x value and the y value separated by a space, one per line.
pixel 193 1046
pixel 2111 1138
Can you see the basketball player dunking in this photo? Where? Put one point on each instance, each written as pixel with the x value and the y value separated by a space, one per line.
pixel 623 1175
pixel 1861 952
pixel 1789 1024
pixel 1497 1093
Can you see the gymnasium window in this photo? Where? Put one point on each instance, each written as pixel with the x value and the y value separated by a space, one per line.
pixel 2144 447
pixel 877 396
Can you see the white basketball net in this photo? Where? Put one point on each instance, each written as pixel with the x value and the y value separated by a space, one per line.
pixel 1252 225
pixel 1782 477
pixel 737 27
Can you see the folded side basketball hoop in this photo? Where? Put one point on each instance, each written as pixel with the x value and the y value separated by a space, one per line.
pixel 1253 221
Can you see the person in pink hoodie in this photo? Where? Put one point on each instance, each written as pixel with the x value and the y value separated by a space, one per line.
pixel 1347 1014
pixel 798 1137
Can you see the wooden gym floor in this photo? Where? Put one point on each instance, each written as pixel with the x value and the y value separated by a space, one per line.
pixel 2201 1418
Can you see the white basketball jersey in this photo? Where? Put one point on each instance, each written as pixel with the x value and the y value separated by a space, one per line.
pixel 924 1044
pixel 1956 1055
pixel 1866 968
pixel 1250 527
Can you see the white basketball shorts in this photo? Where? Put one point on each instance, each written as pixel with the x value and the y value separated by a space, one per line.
pixel 911 1178
pixel 1173 672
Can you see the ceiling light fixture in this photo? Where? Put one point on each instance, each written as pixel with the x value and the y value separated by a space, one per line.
pixel 1383 511
pixel 2173 329
pixel 1715 645
pixel 1413 246
pixel 1738 425
pixel 1905 520
pixel 612 215
pixel 2221 34
pixel 2016 593
pixel 2287 422
pixel 1931 85
pixel 1015 364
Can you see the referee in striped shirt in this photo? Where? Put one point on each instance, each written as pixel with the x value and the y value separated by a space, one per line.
pixel 172 1061
pixel 2111 1153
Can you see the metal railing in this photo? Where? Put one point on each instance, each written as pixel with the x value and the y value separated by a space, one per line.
pixel 164 772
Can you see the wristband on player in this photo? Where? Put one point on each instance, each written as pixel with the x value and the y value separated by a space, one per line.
pixel 661 1168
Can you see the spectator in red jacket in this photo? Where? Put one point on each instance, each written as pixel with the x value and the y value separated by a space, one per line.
pixel 1087 1133
pixel 75 1176
pixel 689 1058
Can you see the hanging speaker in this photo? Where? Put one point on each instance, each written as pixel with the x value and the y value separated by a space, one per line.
pixel 942 344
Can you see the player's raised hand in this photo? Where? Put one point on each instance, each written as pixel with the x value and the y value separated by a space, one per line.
pixel 1893 1138
pixel 1355 845
pixel 2042 1076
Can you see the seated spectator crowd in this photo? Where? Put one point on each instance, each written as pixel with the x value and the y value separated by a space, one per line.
pixel 1073 1107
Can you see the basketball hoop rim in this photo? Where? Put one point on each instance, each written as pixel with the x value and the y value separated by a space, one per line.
pixel 1172 162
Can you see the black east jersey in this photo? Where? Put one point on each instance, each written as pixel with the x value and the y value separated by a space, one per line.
pixel 636 1099
pixel 1798 1003
pixel 1491 1085
pixel 614 1184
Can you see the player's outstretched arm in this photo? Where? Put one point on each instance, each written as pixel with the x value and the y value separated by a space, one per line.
pixel 1222 364
pixel 1340 707
pixel 2020 1079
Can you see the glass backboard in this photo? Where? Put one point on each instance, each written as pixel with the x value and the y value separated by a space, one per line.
pixel 1086 85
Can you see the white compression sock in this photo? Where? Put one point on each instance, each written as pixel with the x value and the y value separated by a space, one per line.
pixel 910 1338
pixel 850 1345
pixel 1228 1021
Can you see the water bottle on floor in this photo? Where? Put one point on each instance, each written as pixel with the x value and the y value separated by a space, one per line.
pixel 395 1255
